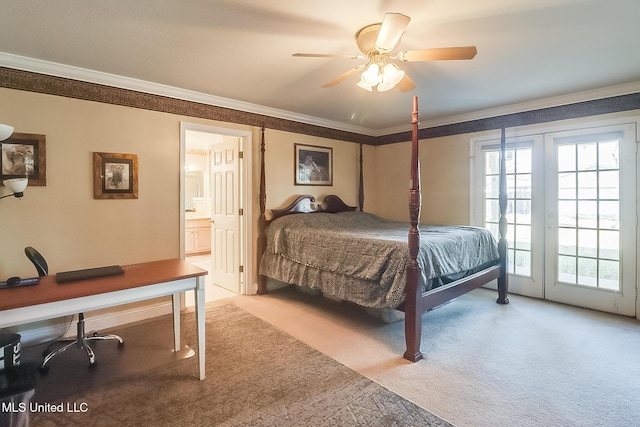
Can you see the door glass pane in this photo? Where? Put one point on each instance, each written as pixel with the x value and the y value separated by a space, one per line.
pixel 567 241
pixel 567 269
pixel 609 275
pixel 524 237
pixel 492 163
pixel 566 158
pixel 589 214
pixel 587 272
pixel 492 187
pixel 609 244
pixel 492 211
pixel 522 263
pixel 587 185
pixel 523 161
pixel 567 213
pixel 523 211
pixel 519 233
pixel 567 185
pixel 608 185
pixel 608 155
pixel 587 242
pixel 587 156
pixel 610 215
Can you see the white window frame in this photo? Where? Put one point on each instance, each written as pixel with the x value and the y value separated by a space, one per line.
pixel 539 132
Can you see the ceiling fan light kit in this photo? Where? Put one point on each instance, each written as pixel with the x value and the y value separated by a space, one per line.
pixel 382 78
pixel 376 42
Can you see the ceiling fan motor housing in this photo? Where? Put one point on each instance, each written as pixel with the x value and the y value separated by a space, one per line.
pixel 366 38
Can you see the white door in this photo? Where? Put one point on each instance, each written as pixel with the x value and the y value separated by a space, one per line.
pixel 571 214
pixel 226 214
pixel 591 219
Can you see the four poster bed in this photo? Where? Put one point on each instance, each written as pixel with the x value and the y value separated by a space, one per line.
pixel 365 259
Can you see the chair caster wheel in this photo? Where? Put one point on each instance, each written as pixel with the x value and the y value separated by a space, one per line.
pixel 120 345
pixel 92 366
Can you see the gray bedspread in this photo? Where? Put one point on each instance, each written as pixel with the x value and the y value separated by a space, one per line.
pixel 362 258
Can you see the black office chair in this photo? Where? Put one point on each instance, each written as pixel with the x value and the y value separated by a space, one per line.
pixel 81 339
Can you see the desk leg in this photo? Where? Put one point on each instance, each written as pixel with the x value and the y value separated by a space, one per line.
pixel 200 322
pixel 176 321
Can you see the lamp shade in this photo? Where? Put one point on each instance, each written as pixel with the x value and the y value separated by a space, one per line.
pixel 370 76
pixel 391 76
pixel 5 131
pixel 16 185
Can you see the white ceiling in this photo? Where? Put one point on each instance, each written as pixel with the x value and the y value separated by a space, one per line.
pixel 238 52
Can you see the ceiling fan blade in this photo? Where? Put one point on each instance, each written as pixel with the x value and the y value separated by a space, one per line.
pixel 343 76
pixel 406 84
pixel 327 55
pixel 391 30
pixel 439 54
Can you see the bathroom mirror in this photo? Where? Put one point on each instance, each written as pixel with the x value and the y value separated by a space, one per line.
pixel 193 187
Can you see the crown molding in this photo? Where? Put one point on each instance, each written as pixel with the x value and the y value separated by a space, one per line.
pixel 540 104
pixel 39 66
pixel 389 135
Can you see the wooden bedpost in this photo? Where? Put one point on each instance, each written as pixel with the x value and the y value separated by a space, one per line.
pixel 262 220
pixel 503 280
pixel 413 290
pixel 361 185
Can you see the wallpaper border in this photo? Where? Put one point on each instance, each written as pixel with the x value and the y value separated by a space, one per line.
pixel 52 85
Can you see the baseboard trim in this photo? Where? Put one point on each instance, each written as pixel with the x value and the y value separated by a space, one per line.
pixel 36 333
pixel 112 320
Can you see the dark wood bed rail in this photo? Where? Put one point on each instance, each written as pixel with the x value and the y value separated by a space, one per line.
pixel 416 301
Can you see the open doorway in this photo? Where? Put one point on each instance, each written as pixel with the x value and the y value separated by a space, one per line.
pixel 215 207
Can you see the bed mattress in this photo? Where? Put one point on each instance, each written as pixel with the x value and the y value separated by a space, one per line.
pixel 362 258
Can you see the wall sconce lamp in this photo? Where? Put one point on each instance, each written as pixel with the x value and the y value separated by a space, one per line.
pixel 15 185
pixel 5 131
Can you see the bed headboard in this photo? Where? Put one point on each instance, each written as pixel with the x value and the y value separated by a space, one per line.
pixel 305 204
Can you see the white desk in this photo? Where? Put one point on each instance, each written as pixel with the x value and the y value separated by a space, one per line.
pixel 139 282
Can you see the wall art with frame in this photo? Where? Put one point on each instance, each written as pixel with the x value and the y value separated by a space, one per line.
pixel 115 176
pixel 24 155
pixel 313 165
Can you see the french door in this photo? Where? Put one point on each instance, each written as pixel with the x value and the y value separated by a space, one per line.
pixel 571 214
pixel 590 252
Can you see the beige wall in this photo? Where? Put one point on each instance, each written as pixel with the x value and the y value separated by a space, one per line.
pixel 62 219
pixel 73 230
pixel 444 170
pixel 279 157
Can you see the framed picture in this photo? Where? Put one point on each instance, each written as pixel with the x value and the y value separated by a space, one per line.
pixel 24 154
pixel 115 176
pixel 313 165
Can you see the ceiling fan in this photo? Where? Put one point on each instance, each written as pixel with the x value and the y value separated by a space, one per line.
pixel 377 43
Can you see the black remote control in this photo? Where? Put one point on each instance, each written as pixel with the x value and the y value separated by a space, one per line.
pixel 15 282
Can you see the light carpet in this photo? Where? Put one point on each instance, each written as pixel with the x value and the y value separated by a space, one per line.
pixel 529 363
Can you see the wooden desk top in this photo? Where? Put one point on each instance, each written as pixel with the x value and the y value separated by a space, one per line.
pixel 135 275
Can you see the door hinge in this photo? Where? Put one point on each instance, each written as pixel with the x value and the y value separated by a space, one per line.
pixel 240 211
pixel 241 154
pixel 242 269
